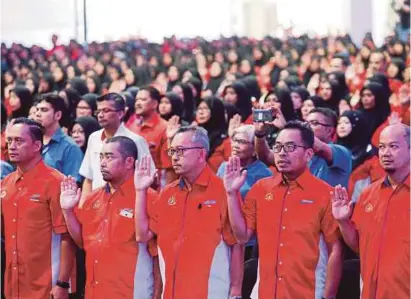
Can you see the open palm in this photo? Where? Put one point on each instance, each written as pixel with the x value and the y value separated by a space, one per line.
pixel 341 206
pixel 69 193
pixel 233 177
pixel 173 126
pixel 143 178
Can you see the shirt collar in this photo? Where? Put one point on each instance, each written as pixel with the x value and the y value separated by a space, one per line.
pixel 152 121
pixel 127 184
pixel 386 182
pixel 58 135
pixel 302 181
pixel 34 172
pixel 120 131
pixel 202 180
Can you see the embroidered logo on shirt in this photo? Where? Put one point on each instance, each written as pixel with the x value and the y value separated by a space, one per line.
pixel 307 201
pixel 172 201
pixel 96 205
pixel 368 207
pixel 3 194
pixel 210 202
pixel 269 196
pixel 35 197
pixel 128 213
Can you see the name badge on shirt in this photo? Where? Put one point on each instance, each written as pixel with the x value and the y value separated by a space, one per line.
pixel 307 201
pixel 209 203
pixel 128 213
pixel 35 197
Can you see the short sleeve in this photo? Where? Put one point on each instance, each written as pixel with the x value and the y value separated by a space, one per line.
pixel 57 218
pixel 85 168
pixel 329 226
pixel 250 207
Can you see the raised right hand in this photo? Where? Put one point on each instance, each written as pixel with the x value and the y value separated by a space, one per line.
pixel 173 126
pixel 233 177
pixel 69 193
pixel 342 207
pixel 143 178
pixel 234 123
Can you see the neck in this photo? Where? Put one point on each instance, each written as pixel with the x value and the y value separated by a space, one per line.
pixel 398 176
pixel 26 166
pixel 292 176
pixel 110 131
pixel 49 132
pixel 192 177
pixel 148 116
pixel 247 161
pixel 115 184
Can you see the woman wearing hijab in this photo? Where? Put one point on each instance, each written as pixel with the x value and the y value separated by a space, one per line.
pixel 183 90
pixel 60 78
pixel 309 104
pixel 230 111
pixel 33 85
pixel 330 91
pixel 170 105
pixel 197 86
pixel 173 75
pixel 395 73
pixel 87 105
pixel 298 96
pixel 79 85
pixel 20 101
pixel 211 116
pixel 216 77
pixel 374 104
pixel 81 130
pixel 382 79
pixel 339 77
pixel 93 84
pixel 238 95
pixel 252 86
pixel 71 98
pixel 46 83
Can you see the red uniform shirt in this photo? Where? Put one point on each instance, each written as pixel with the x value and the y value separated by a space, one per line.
pixel 382 217
pixel 33 222
pixel 289 218
pixel 117 266
pixel 193 231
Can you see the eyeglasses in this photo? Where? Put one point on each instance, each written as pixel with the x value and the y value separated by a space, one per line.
pixel 288 147
pixel 316 123
pixel 239 141
pixel 105 111
pixel 180 151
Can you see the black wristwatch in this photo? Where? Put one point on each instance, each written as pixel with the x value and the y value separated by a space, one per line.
pixel 260 135
pixel 63 284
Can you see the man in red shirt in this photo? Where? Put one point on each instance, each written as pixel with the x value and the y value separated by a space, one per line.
pixel 289 213
pixel 379 229
pixel 39 251
pixel 117 266
pixel 198 255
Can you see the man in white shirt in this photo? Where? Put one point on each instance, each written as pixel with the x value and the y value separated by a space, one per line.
pixel 110 113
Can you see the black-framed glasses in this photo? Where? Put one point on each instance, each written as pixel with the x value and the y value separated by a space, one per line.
pixel 316 123
pixel 180 151
pixel 104 111
pixel 288 147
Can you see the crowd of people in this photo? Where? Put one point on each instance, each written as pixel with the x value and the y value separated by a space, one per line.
pixel 139 170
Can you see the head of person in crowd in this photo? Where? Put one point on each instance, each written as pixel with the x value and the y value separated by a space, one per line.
pixel 189 151
pixel 375 105
pixel 110 111
pixel 93 84
pixel 309 104
pixel 170 105
pixel 71 99
pixel 117 160
pixel 338 63
pixel 130 104
pixel 323 122
pixel 394 150
pixel 81 130
pixel 293 149
pixel 130 76
pixel 133 90
pixel 242 144
pixel 216 77
pixel 238 95
pixel 3 117
pixel 339 77
pixel 377 62
pixel 79 85
pixel 59 77
pixel 87 105
pixel 196 85
pixel 351 133
pixel 184 91
pixel 51 112
pixel 344 105
pixel 20 101
pixel 298 96
pixel 147 101
pixel 395 69
pixel 280 98
pixel 252 86
pixel 246 67
pixel 230 111
pixel 24 139
pixel 330 91
pixel 46 83
pixel 383 80
pixel 33 85
pixel 211 116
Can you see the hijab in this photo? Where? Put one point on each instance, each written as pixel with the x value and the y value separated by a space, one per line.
pixel 79 85
pixel 339 77
pixel 89 125
pixel 188 114
pixel 243 104
pixel 215 82
pixel 382 79
pixel 26 101
pixel 91 100
pixel 177 106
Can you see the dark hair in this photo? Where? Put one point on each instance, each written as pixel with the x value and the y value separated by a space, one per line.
pixel 154 93
pixel 342 57
pixel 36 130
pixel 26 101
pixel 307 134
pixel 127 146
pixel 328 113
pixel 119 102
pixel 177 106
pixel 54 100
pixel 89 125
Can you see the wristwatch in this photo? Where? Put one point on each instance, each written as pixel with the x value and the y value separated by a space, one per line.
pixel 63 284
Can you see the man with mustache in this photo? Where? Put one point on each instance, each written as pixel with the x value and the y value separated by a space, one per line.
pixel 379 229
pixel 288 212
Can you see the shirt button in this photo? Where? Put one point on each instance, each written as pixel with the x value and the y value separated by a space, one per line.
pixel 285 210
pixel 280 263
pixel 283 227
pixel 14 220
pixel 281 244
pixel 99 240
pixel 96 261
pixel 13 236
pixel 288 193
pixel 279 279
pixel 14 252
pixel 15 204
pixel 19 189
pixel 14 268
pixel 96 282
pixel 105 220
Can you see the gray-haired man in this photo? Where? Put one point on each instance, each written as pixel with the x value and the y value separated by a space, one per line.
pixel 190 220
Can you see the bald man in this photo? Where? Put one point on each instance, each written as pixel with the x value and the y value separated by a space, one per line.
pixel 379 229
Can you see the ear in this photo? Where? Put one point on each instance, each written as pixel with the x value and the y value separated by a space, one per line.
pixel 309 153
pixel 203 155
pixel 130 162
pixel 37 146
pixel 58 115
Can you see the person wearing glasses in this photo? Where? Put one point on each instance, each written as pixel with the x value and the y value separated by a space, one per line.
pixel 289 213
pixel 110 113
pixel 199 257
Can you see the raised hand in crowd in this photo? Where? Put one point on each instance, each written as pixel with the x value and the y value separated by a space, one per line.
pixel 233 124
pixel 234 176
pixel 173 126
pixel 70 193
pixel 143 176
pixel 342 207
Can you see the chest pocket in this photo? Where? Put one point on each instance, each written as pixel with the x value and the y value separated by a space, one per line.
pixel 307 215
pixel 206 216
pixel 36 207
pixel 122 225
